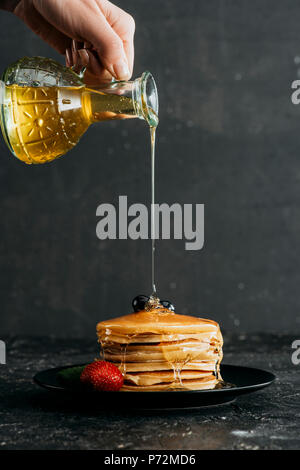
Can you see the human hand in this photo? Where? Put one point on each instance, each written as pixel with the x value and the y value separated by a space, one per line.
pixel 92 33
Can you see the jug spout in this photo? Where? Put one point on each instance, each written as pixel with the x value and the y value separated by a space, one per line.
pixel 125 99
pixel 145 98
pixel 2 94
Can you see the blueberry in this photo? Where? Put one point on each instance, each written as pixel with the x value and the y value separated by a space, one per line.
pixel 168 305
pixel 139 302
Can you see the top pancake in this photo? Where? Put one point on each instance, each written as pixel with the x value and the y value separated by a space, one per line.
pixel 157 322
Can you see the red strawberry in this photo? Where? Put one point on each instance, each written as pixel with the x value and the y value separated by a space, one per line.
pixel 103 376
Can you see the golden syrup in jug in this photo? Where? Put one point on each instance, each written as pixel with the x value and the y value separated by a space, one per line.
pixel 43 123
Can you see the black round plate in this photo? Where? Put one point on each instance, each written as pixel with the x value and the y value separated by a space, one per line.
pixel 245 380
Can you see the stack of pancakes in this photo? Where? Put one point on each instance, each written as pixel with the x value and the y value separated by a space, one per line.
pixel 161 350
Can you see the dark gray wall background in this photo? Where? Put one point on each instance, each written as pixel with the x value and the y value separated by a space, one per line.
pixel 228 138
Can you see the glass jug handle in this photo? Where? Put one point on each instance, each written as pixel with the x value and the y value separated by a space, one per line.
pixel 80 66
pixel 80 72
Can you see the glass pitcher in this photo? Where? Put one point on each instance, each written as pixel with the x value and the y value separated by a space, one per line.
pixel 46 107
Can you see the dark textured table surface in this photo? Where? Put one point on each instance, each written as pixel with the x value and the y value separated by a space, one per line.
pixel 32 418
